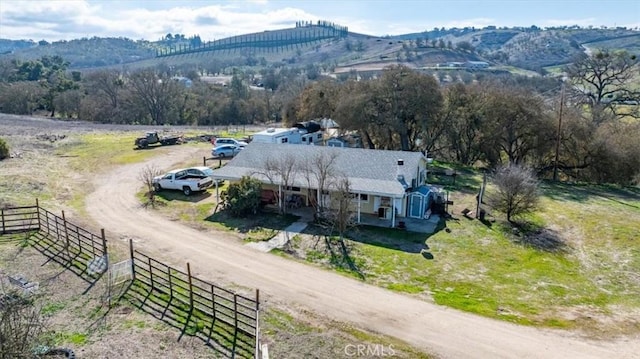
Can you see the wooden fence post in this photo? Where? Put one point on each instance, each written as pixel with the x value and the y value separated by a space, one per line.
pixel 133 265
pixel 66 235
pixel 235 316
pixel 38 212
pixel 213 303
pixel 190 287
pixel 170 284
pixel 57 229
pixel 104 245
pixel 204 161
pixel 257 335
pixel 46 219
pixel 150 273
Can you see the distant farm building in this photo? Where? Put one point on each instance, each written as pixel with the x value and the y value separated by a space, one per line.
pixel 467 64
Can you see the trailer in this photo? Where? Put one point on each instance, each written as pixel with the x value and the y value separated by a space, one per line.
pixel 288 136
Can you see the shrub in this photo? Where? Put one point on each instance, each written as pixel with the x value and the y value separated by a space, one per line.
pixel 516 191
pixel 4 149
pixel 243 198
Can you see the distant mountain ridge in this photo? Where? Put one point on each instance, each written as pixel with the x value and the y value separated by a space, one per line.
pixel 529 48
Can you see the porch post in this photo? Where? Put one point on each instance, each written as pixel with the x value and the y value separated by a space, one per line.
pixel 359 201
pixel 393 212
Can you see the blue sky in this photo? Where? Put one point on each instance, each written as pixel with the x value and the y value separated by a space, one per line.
pixel 147 19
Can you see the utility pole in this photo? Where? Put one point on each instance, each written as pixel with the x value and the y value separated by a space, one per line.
pixel 480 195
pixel 555 162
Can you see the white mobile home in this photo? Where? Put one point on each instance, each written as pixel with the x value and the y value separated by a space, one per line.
pixel 287 135
pixel 278 135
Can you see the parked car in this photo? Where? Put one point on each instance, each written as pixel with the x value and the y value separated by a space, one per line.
pixel 187 180
pixel 225 151
pixel 229 141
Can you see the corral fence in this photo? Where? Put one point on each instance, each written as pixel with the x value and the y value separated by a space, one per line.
pixel 226 321
pixel 19 219
pixel 75 248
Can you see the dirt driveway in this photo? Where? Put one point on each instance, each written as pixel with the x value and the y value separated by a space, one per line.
pixel 219 257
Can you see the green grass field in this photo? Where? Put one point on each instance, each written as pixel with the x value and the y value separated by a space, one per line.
pixel 580 272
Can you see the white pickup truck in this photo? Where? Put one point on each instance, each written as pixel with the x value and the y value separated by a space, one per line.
pixel 187 180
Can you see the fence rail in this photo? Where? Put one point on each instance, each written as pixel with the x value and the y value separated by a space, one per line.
pixel 76 239
pixel 223 318
pixel 19 219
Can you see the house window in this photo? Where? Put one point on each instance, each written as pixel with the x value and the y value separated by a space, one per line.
pixel 363 197
pixel 284 140
pixel 423 177
pixel 292 189
pixel 385 201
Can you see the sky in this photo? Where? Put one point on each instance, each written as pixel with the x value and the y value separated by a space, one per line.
pixel 151 20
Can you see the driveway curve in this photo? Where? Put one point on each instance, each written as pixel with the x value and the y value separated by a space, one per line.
pixel 218 256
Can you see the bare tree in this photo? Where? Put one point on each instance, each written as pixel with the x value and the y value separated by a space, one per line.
pixel 21 326
pixel 156 93
pixel 516 191
pixel 342 217
pixel 107 83
pixel 319 172
pixel 281 171
pixel 146 176
pixel 603 80
pixel 515 125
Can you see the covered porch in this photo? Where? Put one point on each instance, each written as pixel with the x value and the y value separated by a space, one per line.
pixel 418 225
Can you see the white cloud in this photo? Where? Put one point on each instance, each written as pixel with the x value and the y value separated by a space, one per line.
pixel 64 20
pixel 56 20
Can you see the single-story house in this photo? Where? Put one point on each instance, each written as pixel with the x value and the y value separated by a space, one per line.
pixel 386 184
pixel 477 64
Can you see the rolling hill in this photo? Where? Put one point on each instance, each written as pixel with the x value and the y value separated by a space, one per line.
pixel 320 44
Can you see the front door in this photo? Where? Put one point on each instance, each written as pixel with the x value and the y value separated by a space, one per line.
pixel 415 206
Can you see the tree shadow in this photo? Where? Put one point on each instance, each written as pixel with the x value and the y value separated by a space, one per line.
pixel 194 197
pixel 390 238
pixel 580 192
pixel 260 220
pixel 537 237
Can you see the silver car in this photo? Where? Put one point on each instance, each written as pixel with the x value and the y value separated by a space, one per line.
pixel 225 151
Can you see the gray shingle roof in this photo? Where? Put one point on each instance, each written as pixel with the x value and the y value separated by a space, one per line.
pixel 368 171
